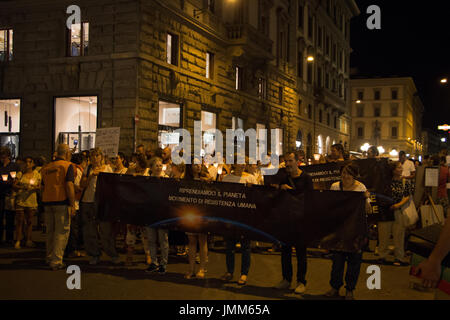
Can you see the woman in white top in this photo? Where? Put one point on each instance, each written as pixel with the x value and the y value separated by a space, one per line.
pixel 132 230
pixel 349 183
pixel 89 215
pixel 119 164
pixel 156 169
pixel 26 186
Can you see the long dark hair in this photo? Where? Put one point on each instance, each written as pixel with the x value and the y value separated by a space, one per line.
pixel 188 175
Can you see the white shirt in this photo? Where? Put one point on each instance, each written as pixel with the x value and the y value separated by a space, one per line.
pixel 408 168
pixel 245 178
pixel 89 194
pixel 359 187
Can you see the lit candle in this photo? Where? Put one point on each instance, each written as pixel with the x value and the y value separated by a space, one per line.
pixel 13 174
pixel 164 167
pixel 5 177
pixel 32 181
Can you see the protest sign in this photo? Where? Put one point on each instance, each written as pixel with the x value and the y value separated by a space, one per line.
pixel 107 139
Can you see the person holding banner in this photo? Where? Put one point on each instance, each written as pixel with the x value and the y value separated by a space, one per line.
pixel 238 176
pixel 349 173
pixel 200 173
pixel 296 182
pixel 337 153
pixel 156 169
pixel 89 215
pixel 132 230
pixel 393 221
pixel 119 164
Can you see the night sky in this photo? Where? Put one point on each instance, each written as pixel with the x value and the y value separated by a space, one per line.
pixel 414 40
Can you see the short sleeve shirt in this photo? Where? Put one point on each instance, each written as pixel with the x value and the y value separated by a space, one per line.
pixel 408 168
pixel 89 194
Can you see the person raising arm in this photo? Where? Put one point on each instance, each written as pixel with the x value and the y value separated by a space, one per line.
pixel 430 269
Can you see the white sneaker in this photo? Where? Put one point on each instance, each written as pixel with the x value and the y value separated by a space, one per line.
pixel 284 284
pixel 301 288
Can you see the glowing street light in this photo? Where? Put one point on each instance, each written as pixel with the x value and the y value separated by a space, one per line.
pixel 358 101
pixel 444 80
pixel 381 150
pixel 365 147
pixel 393 153
pixel 310 58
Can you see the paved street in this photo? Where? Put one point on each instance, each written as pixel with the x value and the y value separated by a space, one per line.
pixel 23 276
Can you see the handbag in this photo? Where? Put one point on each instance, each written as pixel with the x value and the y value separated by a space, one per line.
pixel 409 211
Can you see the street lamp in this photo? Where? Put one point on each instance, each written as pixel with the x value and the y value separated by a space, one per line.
pixel 393 153
pixel 444 80
pixel 365 147
pixel 381 150
pixel 310 58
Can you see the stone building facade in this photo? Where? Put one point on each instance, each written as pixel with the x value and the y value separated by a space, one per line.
pixel 387 112
pixel 151 66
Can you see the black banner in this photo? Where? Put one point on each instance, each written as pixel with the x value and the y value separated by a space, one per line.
pixel 257 212
pixel 324 175
pixel 373 173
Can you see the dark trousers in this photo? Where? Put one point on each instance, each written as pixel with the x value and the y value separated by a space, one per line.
pixel 353 269
pixel 75 237
pixel 8 225
pixel 286 263
pixel 230 251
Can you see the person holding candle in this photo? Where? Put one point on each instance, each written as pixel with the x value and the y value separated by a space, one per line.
pixel 6 209
pixel 89 218
pixel 27 184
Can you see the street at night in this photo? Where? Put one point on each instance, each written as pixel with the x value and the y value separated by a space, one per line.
pixel 243 150
pixel 24 276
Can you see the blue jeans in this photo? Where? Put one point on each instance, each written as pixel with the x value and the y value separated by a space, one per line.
pixel 286 263
pixel 230 251
pixel 353 269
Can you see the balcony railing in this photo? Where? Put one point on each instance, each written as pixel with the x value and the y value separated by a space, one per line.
pixel 250 38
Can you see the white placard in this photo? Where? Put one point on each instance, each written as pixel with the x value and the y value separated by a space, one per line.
pixel 107 139
pixel 431 177
pixel 170 138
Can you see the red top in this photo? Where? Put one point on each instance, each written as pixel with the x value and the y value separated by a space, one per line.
pixel 444 177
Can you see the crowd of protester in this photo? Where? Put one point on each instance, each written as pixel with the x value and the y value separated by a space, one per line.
pixel 61 193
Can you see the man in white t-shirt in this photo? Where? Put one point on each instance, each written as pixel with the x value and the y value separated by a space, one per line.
pixel 409 170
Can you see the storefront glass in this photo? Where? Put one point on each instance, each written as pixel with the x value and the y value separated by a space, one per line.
pixel 76 122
